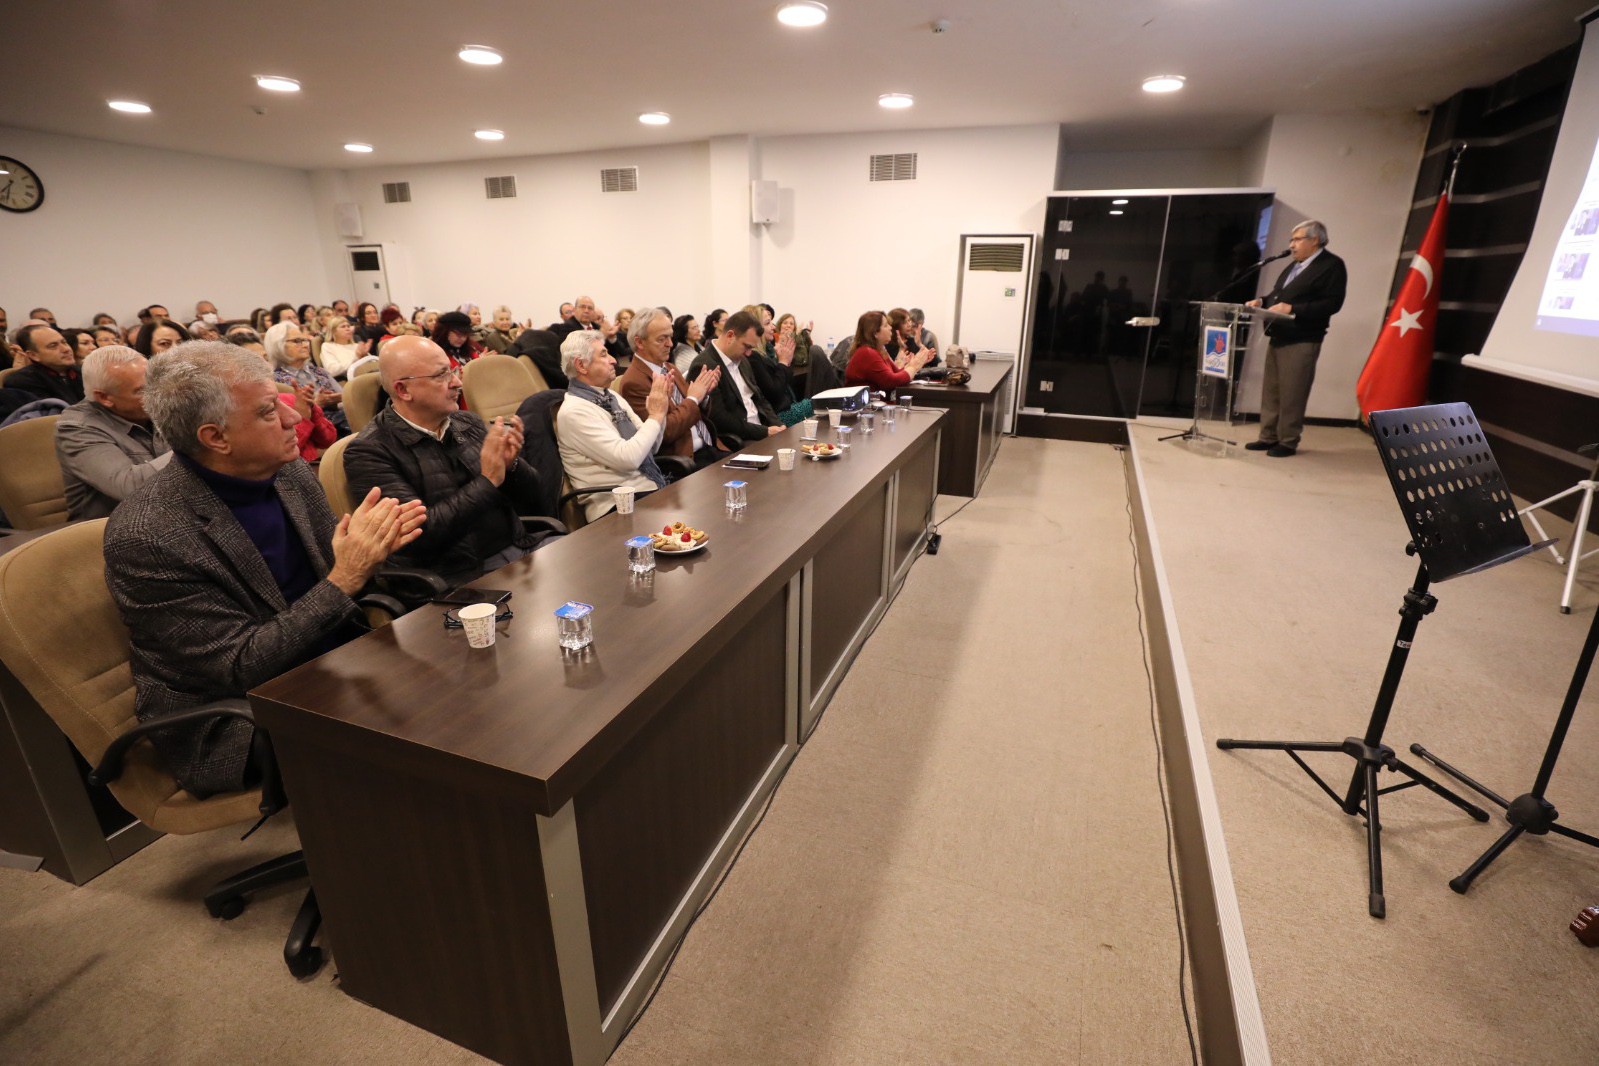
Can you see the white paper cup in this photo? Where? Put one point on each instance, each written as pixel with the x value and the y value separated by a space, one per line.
pixel 478 621
pixel 834 416
pixel 624 499
pixel 785 458
pixel 809 426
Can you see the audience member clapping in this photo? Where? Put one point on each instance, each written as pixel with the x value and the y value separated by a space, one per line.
pixel 289 351
pixel 602 441
pixel 739 409
pixel 340 349
pixel 868 365
pixel 685 342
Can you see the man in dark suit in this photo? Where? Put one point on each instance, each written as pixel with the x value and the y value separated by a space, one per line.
pixel 584 316
pixel 688 431
pixel 1312 290
pixel 738 406
pixel 51 372
pixel 228 567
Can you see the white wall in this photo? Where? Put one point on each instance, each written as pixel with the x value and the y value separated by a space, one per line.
pixel 123 227
pixel 559 238
pixel 1211 168
pixel 844 245
pixel 1356 172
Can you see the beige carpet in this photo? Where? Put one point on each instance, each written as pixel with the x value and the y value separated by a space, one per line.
pixel 1288 576
pixel 966 863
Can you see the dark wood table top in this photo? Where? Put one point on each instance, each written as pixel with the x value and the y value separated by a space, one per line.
pixel 525 714
pixel 986 377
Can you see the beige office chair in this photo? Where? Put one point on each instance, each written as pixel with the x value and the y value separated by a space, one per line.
pixel 364 368
pixel 63 640
pixel 361 400
pixel 496 385
pixel 540 384
pixel 32 494
pixel 7 372
pixel 330 471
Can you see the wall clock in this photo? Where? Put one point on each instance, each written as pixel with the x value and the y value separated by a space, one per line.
pixel 20 188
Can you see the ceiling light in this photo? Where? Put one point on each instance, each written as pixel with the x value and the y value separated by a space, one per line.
pixel 480 55
pixel 277 83
pixel 1118 203
pixel 489 135
pixel 1164 83
pixel 1118 212
pixel 129 106
pixel 357 146
pixel 895 101
pixel 655 118
pixel 802 14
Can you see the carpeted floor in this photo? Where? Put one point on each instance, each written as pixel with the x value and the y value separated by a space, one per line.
pixel 966 863
pixel 1287 577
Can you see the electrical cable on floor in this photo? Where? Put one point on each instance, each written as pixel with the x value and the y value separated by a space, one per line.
pixel 1160 779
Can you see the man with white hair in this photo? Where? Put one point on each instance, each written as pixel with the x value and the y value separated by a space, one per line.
pixel 105 442
pixel 228 567
pixel 584 316
pixel 687 431
pixel 471 476
pixel 603 443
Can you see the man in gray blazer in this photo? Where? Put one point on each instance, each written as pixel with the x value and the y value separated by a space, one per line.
pixel 104 442
pixel 228 566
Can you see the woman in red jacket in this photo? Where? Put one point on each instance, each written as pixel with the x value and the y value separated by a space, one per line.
pixel 869 366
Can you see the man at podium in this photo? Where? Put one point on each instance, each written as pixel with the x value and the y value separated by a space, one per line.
pixel 1312 290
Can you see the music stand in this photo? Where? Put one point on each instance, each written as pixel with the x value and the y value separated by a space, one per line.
pixel 1461 521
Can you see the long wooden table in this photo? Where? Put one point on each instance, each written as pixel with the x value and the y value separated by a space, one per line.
pixel 507 842
pixel 977 417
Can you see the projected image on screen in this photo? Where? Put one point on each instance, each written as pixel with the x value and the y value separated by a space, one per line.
pixel 1570 299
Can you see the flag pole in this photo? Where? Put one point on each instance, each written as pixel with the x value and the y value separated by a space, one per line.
pixel 1454 166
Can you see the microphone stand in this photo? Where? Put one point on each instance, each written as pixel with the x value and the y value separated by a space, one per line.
pixel 1244 273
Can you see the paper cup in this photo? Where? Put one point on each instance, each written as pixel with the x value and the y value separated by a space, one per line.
pixel 834 416
pixel 478 621
pixel 785 458
pixel 808 427
pixel 624 499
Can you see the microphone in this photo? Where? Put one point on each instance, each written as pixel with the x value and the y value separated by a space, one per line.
pixel 1274 258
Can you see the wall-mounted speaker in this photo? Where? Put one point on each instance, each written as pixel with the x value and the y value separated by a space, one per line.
pixel 348 217
pixel 763 202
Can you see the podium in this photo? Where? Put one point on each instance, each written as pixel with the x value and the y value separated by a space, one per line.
pixel 1221 325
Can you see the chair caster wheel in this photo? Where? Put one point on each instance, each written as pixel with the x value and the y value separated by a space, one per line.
pixel 306 963
pixel 227 909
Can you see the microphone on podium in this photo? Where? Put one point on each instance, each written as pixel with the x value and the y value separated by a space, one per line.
pixel 1273 258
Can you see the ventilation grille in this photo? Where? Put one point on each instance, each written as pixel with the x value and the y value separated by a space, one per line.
pixel 1006 258
pixel 901 167
pixel 619 179
pixel 396 192
pixel 500 188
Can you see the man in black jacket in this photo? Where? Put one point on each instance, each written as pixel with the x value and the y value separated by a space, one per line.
pixel 52 372
pixel 470 475
pixel 1312 290
pixel 740 407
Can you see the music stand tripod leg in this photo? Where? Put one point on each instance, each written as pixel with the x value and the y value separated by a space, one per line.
pixel 1576 546
pixel 1376 906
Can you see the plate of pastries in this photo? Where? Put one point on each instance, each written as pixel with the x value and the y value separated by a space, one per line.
pixel 679 538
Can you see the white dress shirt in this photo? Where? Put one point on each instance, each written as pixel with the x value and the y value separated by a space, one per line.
pixel 752 413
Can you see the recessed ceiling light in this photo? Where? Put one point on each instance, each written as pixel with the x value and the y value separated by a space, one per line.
pixel 1118 212
pixel 489 135
pixel 357 146
pixel 1118 203
pixel 1164 83
pixel 895 101
pixel 802 13
pixel 277 83
pixel 480 55
pixel 655 118
pixel 131 107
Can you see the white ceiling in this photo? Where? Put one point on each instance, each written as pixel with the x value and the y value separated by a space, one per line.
pixel 576 75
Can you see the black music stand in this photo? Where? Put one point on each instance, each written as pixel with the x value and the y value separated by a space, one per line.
pixel 1530 812
pixel 1462 521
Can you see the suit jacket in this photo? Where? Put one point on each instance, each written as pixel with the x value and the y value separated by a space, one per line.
pixel 47 384
pixel 1315 295
pixel 678 439
pixel 104 458
pixel 205 616
pixel 727 413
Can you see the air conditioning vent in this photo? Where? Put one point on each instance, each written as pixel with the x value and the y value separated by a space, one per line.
pixel 901 167
pixel 500 188
pixel 1002 257
pixel 396 192
pixel 619 179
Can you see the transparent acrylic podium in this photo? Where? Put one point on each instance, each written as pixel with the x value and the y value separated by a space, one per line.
pixel 1222 336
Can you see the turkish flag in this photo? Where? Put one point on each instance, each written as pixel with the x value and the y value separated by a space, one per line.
pixel 1396 370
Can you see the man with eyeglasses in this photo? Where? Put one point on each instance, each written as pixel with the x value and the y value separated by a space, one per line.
pixel 738 408
pixel 1312 290
pixel 470 475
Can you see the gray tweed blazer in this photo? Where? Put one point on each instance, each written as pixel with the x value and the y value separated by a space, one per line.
pixel 205 616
